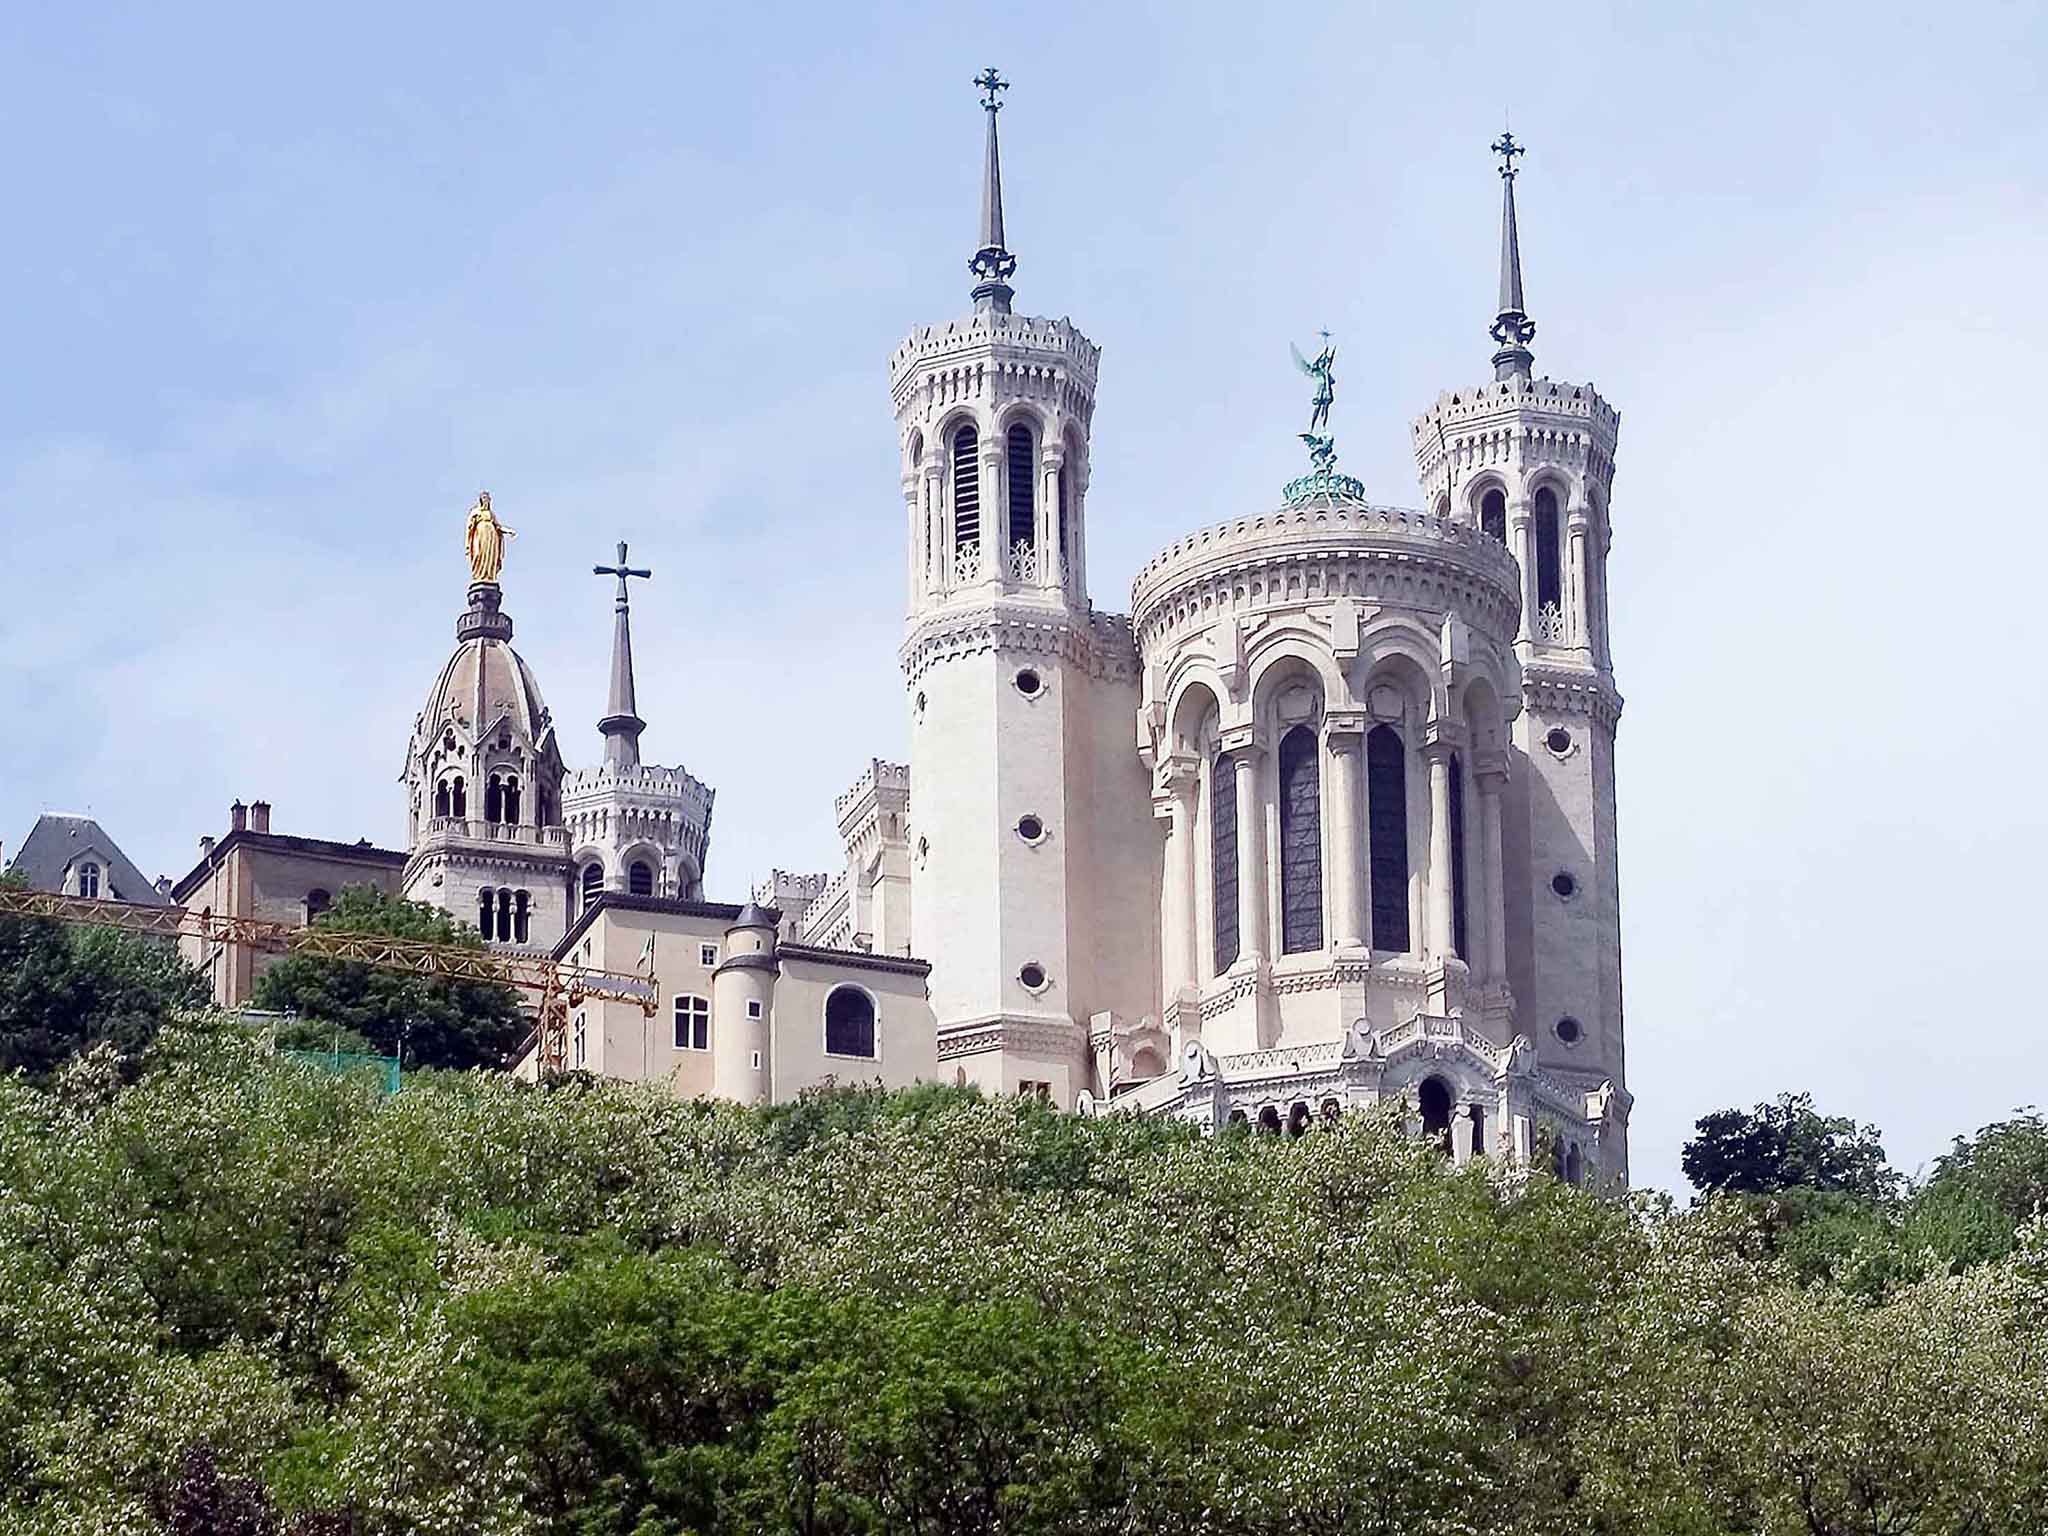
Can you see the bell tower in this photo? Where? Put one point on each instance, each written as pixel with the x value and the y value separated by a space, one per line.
pixel 1022 697
pixel 1530 461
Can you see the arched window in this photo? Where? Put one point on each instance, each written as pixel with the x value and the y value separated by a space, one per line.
pixel 520 927
pixel 593 883
pixel 1478 1131
pixel 459 799
pixel 1386 819
pixel 1223 858
pixel 849 1023
pixel 441 798
pixel 1493 515
pixel 316 903
pixel 1549 583
pixel 1574 1165
pixel 487 912
pixel 1458 931
pixel 504 917
pixel 1023 522
pixel 1434 1097
pixel 511 801
pixel 494 801
pixel 640 878
pixel 966 488
pixel 89 880
pixel 1301 843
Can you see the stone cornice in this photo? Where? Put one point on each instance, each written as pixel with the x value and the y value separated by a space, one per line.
pixel 1059 1038
pixel 1098 643
pixel 1571 691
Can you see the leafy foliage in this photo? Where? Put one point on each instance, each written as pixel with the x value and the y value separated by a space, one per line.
pixel 1787 1144
pixel 64 990
pixel 426 1021
pixel 239 1290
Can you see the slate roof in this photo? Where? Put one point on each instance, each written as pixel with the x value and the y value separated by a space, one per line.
pixel 55 841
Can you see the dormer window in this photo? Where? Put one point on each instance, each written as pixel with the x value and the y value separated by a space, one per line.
pixel 89 880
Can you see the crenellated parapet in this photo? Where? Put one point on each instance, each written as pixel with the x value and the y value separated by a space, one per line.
pixel 993 356
pixel 1512 427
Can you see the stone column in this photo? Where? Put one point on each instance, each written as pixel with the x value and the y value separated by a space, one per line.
pixel 913 503
pixel 939 522
pixel 1600 547
pixel 995 512
pixel 1344 736
pixel 1177 880
pixel 1438 754
pixel 1051 558
pixel 1580 628
pixel 1522 539
pixel 1492 776
pixel 1245 752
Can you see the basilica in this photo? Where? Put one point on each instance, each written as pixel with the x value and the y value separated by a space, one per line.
pixel 1326 818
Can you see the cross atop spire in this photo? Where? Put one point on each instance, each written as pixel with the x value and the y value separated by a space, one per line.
pixel 992 263
pixel 621 724
pixel 1512 327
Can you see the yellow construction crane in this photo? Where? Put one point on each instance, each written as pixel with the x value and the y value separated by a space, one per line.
pixel 559 987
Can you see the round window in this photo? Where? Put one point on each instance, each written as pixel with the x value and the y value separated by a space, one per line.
pixel 1029 682
pixel 1030 828
pixel 1559 740
pixel 1033 976
pixel 1568 1030
pixel 1565 886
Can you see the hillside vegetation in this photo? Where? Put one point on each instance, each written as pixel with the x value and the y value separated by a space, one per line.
pixel 239 1295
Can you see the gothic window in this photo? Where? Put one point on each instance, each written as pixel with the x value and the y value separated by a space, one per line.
pixel 1458 930
pixel 521 900
pixel 441 798
pixel 1301 843
pixel 593 883
pixel 1434 1097
pixel 849 1023
pixel 693 1023
pixel 504 917
pixel 459 799
pixel 89 880
pixel 1023 524
pixel 1386 823
pixel 316 903
pixel 640 878
pixel 1549 586
pixel 966 488
pixel 486 912
pixel 1223 859
pixel 494 801
pixel 510 804
pixel 1493 515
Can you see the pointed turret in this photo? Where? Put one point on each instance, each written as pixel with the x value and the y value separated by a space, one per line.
pixel 992 263
pixel 1512 327
pixel 621 724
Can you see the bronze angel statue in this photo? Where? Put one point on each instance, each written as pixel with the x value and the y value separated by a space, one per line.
pixel 1324 371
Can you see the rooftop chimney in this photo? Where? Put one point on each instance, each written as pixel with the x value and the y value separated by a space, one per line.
pixel 259 816
pixel 238 817
pixel 206 848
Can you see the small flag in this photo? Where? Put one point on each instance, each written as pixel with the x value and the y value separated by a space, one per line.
pixel 647 956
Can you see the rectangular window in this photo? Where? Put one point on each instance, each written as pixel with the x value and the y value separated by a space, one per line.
pixel 753 1007
pixel 693 1023
pixel 578 1052
pixel 757 1061
pixel 707 954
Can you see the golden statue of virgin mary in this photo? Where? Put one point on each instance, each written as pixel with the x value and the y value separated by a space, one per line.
pixel 485 540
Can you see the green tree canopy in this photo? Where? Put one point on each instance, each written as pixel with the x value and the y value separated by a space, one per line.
pixel 1787 1145
pixel 65 989
pixel 426 1021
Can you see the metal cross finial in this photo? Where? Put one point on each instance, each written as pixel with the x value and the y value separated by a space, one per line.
pixel 991 83
pixel 1506 147
pixel 621 570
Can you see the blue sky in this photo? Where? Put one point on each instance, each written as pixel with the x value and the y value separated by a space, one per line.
pixel 280 290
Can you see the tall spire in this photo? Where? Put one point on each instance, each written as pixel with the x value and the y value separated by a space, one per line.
pixel 992 263
pixel 621 724
pixel 1512 327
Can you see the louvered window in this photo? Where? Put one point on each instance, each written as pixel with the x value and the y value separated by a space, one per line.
pixel 1023 525
pixel 1386 816
pixel 1301 843
pixel 1549 583
pixel 966 489
pixel 1223 859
